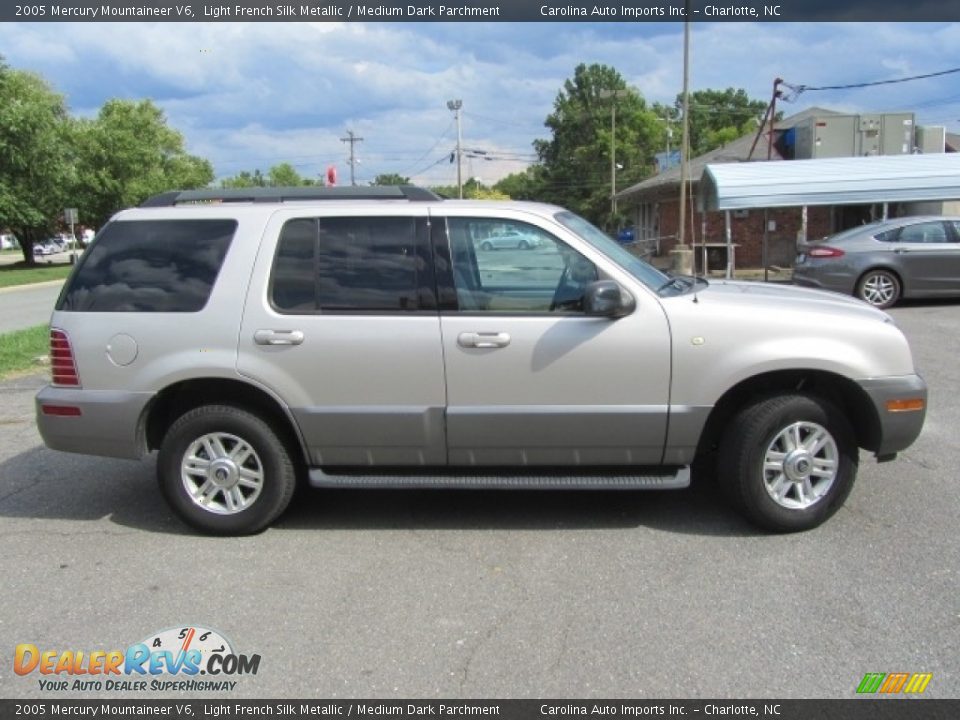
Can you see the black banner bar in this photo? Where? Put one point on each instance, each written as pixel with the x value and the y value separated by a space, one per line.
pixel 853 709
pixel 622 11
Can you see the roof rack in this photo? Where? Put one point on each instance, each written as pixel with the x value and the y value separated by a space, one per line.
pixel 285 194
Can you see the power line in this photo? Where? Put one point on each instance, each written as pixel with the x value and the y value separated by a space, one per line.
pixel 804 88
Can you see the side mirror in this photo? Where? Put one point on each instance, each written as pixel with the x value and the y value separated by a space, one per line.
pixel 605 298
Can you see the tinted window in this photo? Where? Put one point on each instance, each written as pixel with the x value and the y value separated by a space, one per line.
pixel 150 266
pixel 342 264
pixel 928 232
pixel 541 274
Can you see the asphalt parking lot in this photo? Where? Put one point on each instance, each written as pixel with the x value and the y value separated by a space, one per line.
pixel 501 595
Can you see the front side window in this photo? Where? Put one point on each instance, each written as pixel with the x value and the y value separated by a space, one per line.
pixel 370 264
pixel 511 267
pixel 150 266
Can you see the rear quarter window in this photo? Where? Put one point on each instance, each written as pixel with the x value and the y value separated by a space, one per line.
pixel 150 266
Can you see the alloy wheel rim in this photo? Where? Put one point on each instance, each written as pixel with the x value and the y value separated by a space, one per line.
pixel 878 289
pixel 222 473
pixel 800 465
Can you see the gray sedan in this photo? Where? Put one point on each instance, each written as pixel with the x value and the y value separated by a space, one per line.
pixel 882 262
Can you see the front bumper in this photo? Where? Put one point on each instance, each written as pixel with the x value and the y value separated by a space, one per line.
pixel 109 421
pixel 897 428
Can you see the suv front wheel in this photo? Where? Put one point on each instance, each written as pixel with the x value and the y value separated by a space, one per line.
pixel 788 462
pixel 224 471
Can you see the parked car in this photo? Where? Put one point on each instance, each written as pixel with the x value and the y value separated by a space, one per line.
pixel 9 242
pixel 45 248
pixel 510 238
pixel 370 343
pixel 880 263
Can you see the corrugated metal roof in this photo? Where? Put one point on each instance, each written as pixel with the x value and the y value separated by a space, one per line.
pixel 830 181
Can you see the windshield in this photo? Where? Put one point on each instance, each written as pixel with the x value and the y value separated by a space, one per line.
pixel 640 269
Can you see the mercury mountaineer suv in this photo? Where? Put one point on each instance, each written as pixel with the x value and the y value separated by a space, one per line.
pixel 365 337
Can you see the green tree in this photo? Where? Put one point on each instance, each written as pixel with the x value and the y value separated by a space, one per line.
pixel 390 179
pixel 576 167
pixel 35 157
pixel 281 175
pixel 245 179
pixel 128 153
pixel 285 175
pixel 526 185
pixel 717 117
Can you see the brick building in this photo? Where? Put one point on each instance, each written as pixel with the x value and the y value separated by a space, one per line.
pixel 653 205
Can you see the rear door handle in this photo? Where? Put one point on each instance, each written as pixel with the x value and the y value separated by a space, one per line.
pixel 278 337
pixel 483 339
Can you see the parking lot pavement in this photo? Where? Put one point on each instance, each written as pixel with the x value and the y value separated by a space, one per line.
pixel 483 594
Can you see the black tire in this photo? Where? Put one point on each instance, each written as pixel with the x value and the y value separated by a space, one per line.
pixel 524 245
pixel 880 288
pixel 486 246
pixel 767 427
pixel 270 461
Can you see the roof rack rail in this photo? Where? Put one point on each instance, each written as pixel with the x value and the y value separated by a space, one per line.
pixel 285 194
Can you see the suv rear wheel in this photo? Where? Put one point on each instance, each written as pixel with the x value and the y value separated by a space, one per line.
pixel 788 462
pixel 224 471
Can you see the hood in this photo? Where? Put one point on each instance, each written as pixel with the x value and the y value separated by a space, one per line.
pixel 776 297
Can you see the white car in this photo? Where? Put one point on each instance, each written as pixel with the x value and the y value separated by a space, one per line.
pixel 509 239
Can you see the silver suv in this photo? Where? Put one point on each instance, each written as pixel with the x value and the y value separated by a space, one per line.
pixel 360 338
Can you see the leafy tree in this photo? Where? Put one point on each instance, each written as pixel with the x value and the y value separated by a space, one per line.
pixel 576 160
pixel 526 185
pixel 285 175
pixel 716 117
pixel 245 179
pixel 473 189
pixel 35 157
pixel 282 175
pixel 390 179
pixel 128 153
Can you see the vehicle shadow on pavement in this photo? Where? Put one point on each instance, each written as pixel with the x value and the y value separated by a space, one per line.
pixel 698 510
pixel 44 484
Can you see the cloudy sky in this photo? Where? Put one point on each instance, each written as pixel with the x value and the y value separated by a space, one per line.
pixel 249 96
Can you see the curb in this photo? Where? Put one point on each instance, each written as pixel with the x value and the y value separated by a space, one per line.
pixel 46 283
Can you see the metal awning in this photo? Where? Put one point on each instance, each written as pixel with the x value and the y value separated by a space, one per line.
pixel 830 181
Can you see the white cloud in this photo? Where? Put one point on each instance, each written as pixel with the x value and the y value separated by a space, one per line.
pixel 252 95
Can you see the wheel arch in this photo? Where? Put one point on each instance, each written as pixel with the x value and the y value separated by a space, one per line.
pixel 835 389
pixel 181 397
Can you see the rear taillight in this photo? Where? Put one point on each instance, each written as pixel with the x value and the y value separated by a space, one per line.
pixel 62 365
pixel 825 251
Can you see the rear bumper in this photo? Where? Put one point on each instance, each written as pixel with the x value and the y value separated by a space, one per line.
pixel 824 278
pixel 108 422
pixel 898 429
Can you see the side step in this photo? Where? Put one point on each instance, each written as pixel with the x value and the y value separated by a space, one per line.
pixel 668 478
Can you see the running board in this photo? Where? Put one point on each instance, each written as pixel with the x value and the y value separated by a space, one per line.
pixel 658 479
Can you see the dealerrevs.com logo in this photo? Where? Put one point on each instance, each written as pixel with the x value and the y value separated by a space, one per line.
pixel 188 658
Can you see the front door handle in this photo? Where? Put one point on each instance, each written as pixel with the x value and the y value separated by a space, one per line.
pixel 278 337
pixel 483 339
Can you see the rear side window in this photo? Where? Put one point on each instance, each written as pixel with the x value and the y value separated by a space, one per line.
pixel 150 266
pixel 342 264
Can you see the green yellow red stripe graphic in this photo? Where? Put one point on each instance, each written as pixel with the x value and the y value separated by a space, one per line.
pixel 893 683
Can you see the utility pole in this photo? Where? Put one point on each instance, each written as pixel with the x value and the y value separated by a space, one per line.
pixel 613 95
pixel 352 139
pixel 455 106
pixel 613 160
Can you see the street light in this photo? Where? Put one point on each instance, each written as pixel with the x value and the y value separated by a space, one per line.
pixel 455 106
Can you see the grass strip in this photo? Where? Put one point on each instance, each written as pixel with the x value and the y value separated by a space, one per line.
pixel 21 274
pixel 20 349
